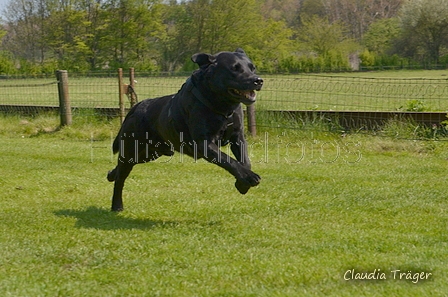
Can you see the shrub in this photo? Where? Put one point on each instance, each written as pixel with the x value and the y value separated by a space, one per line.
pixel 7 63
pixel 367 58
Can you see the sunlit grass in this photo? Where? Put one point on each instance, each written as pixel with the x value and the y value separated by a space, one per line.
pixel 327 203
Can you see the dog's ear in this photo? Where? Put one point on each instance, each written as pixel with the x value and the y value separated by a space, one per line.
pixel 203 60
pixel 240 50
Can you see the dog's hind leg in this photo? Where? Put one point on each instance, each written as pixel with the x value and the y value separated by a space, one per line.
pixel 119 175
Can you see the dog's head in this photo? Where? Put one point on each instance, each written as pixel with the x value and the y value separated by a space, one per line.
pixel 230 75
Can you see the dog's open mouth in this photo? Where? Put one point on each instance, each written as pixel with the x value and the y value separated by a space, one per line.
pixel 246 97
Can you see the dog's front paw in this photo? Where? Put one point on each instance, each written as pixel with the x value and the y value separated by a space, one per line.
pixel 242 187
pixel 244 184
pixel 111 175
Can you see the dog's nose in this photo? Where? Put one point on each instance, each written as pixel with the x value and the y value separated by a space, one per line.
pixel 258 82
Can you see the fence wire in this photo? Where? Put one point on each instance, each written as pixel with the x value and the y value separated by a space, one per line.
pixel 30 95
pixel 340 93
pixel 309 93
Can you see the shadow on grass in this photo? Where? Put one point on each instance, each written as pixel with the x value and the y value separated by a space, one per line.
pixel 98 218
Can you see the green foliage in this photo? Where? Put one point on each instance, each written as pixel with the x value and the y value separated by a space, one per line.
pixel 415 105
pixel 273 122
pixel 7 63
pixel 372 60
pixel 306 63
pixel 280 36
pixel 403 128
pixel 390 60
pixel 49 66
pixel 325 45
pixel 425 27
pixel 445 123
pixel 271 46
pixel 367 58
pixel 28 67
pixel 318 35
pixel 132 25
pixel 381 34
pixel 444 60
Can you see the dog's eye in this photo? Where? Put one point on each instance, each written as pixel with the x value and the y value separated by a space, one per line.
pixel 251 67
pixel 236 67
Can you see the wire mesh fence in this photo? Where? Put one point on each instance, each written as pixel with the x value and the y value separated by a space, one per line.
pixel 310 93
pixel 85 92
pixel 342 93
pixel 29 92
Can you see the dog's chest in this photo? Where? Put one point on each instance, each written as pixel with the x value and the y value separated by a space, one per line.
pixel 226 130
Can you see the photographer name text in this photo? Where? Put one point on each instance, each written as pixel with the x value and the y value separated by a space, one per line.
pixel 397 274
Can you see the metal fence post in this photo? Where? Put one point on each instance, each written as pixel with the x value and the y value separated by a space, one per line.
pixel 65 109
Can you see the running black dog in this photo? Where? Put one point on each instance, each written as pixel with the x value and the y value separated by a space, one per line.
pixel 205 114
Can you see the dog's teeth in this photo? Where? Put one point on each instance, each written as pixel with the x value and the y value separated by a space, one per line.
pixel 250 95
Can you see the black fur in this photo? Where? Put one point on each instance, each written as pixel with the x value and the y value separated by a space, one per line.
pixel 205 114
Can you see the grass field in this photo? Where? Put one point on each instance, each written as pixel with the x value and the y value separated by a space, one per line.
pixel 371 91
pixel 328 205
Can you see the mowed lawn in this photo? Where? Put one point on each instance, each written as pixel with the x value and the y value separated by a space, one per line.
pixel 328 208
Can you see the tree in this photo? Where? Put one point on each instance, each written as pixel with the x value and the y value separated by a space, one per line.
pixel 24 29
pixel 95 26
pixel 223 24
pixel 425 26
pixel 174 45
pixel 381 34
pixel 318 35
pixel 311 8
pixel 218 25
pixel 66 36
pixel 282 10
pixel 132 28
pixel 163 34
pixel 271 45
pixel 359 14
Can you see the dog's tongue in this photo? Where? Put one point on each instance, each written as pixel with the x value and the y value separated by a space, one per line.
pixel 251 95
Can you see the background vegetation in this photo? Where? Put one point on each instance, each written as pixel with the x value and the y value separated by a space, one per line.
pixel 39 36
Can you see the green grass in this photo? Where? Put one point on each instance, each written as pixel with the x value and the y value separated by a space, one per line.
pixel 326 204
pixel 366 91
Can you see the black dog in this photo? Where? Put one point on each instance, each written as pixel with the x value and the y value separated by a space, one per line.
pixel 205 114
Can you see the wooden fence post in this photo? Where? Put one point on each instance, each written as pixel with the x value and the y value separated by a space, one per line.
pixel 131 92
pixel 251 122
pixel 65 109
pixel 120 95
